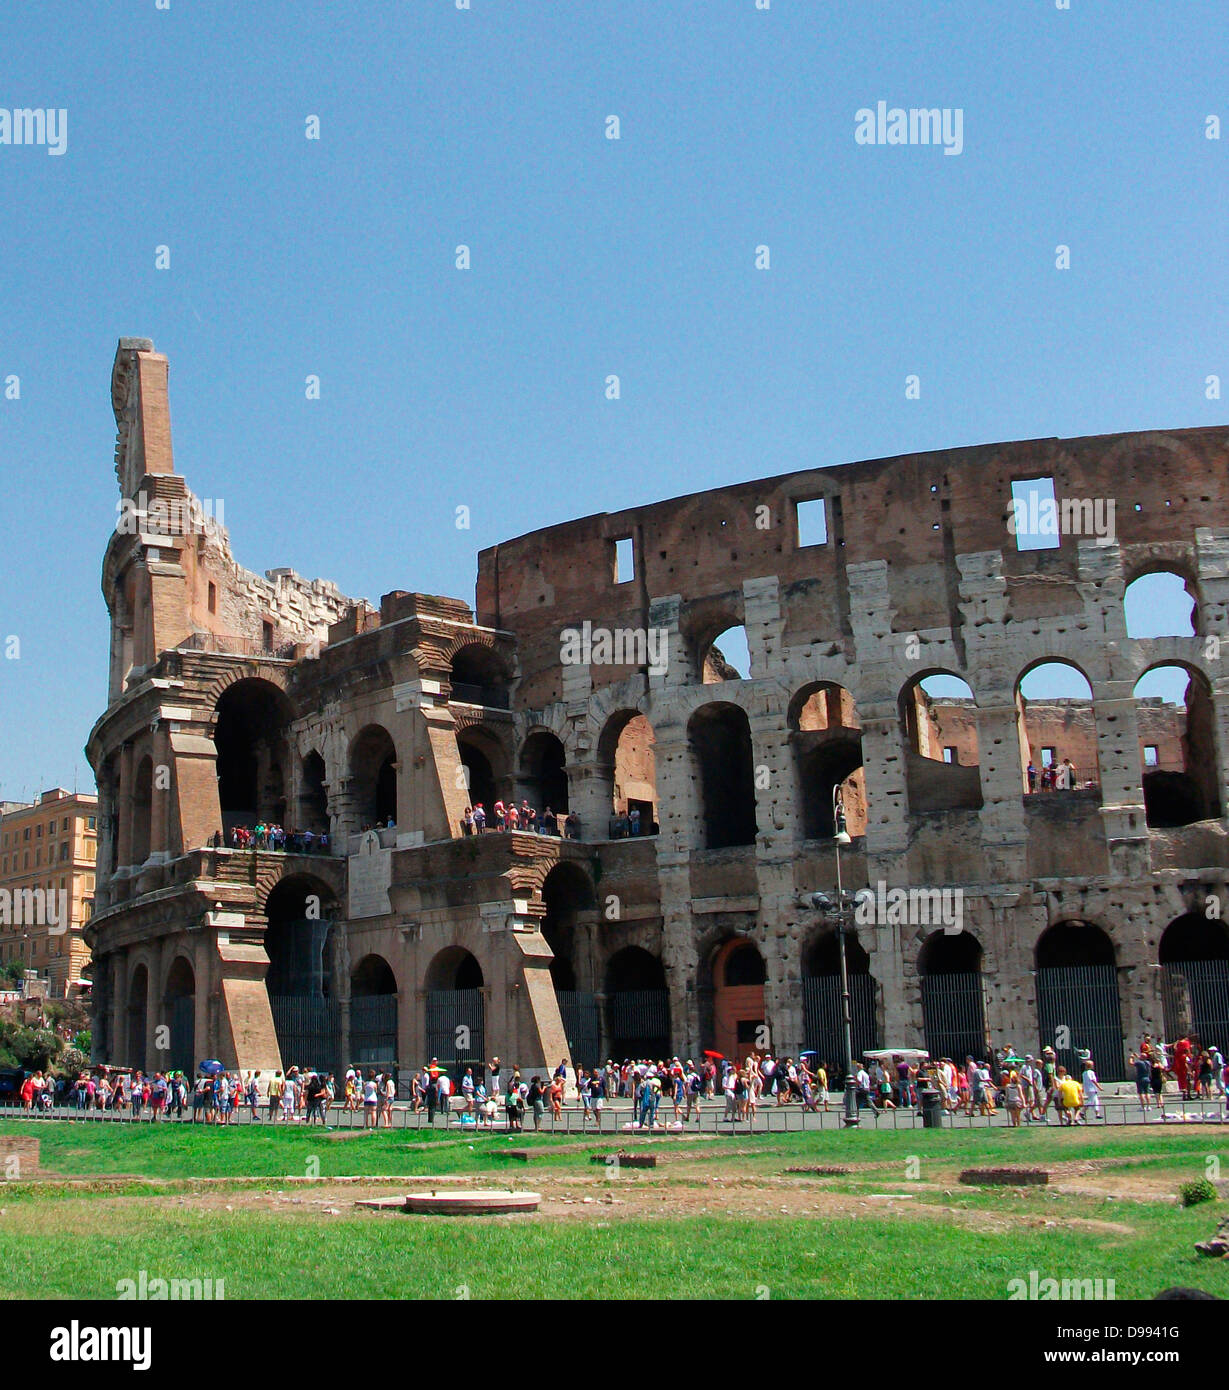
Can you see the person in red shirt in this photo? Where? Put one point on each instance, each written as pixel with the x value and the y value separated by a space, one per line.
pixel 1182 1056
pixel 27 1093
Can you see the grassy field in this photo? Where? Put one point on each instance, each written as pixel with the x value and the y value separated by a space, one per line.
pixel 716 1217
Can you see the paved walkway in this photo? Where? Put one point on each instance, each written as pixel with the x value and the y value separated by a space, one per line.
pixel 1119 1106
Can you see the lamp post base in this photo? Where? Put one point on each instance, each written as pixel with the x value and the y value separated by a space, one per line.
pixel 851 1119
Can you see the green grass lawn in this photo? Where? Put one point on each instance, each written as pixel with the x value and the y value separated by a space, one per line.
pixel 71 1241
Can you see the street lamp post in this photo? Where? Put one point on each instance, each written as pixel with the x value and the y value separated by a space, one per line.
pixel 841 837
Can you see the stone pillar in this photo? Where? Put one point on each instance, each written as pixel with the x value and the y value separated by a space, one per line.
pixel 1004 828
pixel 153 1012
pixel 124 851
pixel 160 795
pixel 119 1008
pixel 343 813
pixel 1122 794
pixel 887 830
pixel 678 951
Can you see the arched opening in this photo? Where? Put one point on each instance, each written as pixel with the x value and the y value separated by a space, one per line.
pixel 142 809
pixel 479 677
pixel 953 996
pixel 456 1010
pixel 250 736
pixel 138 1003
pixel 938 718
pixel 739 1018
pixel 568 892
pixel 1194 960
pixel 626 762
pixel 373 1014
pixel 637 1005
pixel 298 912
pixel 543 772
pixel 720 739
pixel 726 657
pixel 1177 746
pixel 487 769
pixel 826 735
pixel 1161 603
pixel 181 1011
pixel 373 768
pixel 1078 1007
pixel 313 798
pixel 1057 729
pixel 823 1011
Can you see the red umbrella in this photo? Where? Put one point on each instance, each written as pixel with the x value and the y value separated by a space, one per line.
pixel 716 1056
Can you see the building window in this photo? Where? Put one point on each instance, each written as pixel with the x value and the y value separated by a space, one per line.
pixel 949 755
pixel 1034 514
pixel 213 598
pixel 811 520
pixel 267 636
pixel 625 560
pixel 90 823
pixel 1047 757
pixel 1151 757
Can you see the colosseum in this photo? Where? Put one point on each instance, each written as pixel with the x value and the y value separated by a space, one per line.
pixel 892 621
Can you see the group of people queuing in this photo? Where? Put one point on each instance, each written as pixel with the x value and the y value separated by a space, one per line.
pixel 1199 1072
pixel 264 835
pixel 1026 1088
pixel 505 816
pixel 1053 777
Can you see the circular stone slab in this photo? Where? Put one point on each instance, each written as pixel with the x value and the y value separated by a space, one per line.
pixel 471 1203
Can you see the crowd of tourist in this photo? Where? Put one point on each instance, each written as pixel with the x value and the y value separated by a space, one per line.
pixel 508 815
pixel 263 835
pixel 1053 777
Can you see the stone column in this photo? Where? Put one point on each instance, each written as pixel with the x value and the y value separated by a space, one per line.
pixel 1004 828
pixel 124 851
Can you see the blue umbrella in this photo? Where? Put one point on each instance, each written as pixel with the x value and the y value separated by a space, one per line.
pixel 211 1068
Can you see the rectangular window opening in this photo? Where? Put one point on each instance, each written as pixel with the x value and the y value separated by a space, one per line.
pixel 949 755
pixel 1151 755
pixel 625 560
pixel 1047 757
pixel 811 516
pixel 1034 514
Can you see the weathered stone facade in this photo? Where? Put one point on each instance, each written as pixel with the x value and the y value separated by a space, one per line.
pixel 283 701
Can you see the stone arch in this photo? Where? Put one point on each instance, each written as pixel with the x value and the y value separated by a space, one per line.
pixel 138 1003
pixel 951 971
pixel 825 733
pixel 374 768
pixel 455 1008
pixel 567 891
pixel 627 768
pixel 938 720
pixel 1078 1005
pixel 299 910
pixel 180 997
pixel 637 1005
pixel 1047 724
pixel 487 764
pixel 823 1008
pixel 543 771
pixel 1180 780
pixel 142 809
pixel 479 675
pixel 739 974
pixel 313 794
pixel 251 718
pixel 719 739
pixel 1154 598
pixel 1193 954
pixel 373 1014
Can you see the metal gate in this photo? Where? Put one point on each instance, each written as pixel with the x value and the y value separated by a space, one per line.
pixel 823 1019
pixel 373 1031
pixel 136 1036
pixel 954 1016
pixel 1196 998
pixel 640 1023
pixel 308 1032
pixel 456 1032
pixel 183 1034
pixel 1078 1010
pixel 581 1026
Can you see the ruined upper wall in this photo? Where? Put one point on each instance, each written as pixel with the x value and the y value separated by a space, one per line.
pixel 916 512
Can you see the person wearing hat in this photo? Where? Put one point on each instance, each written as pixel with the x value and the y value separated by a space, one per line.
pixel 1049 1071
pixel 1092 1090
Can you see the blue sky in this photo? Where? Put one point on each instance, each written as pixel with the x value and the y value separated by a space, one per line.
pixel 485 388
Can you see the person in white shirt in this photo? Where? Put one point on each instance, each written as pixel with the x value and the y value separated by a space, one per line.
pixel 1092 1090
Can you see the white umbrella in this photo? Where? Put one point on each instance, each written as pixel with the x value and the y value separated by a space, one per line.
pixel 905 1054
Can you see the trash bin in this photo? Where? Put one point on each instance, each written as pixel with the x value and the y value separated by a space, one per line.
pixel 932 1108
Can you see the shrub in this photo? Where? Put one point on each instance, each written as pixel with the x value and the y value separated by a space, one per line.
pixel 1192 1193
